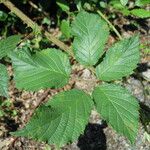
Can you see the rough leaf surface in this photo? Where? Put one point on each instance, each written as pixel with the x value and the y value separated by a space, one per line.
pixel 120 60
pixel 48 68
pixel 3 81
pixel 9 44
pixel 61 120
pixel 142 13
pixel 124 2
pixel 119 108
pixel 91 34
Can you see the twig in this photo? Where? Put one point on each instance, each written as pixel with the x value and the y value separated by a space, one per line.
pixel 34 5
pixel 110 24
pixel 34 25
pixel 37 8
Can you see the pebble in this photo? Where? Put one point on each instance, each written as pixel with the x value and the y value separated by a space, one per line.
pixel 136 88
pixel 86 74
pixel 146 75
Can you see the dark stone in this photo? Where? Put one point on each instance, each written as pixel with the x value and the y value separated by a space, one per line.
pixel 10 124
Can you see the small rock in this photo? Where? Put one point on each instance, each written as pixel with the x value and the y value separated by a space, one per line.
pixel 146 75
pixel 86 74
pixel 136 87
pixel 26 95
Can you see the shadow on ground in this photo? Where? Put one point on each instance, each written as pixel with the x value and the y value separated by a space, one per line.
pixel 93 138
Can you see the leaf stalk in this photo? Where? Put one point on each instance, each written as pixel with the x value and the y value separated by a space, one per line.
pixel 110 24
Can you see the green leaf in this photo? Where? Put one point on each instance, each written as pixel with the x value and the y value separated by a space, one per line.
pixel 91 34
pixel 120 60
pixel 61 120
pixel 142 2
pixel 124 2
pixel 48 68
pixel 9 44
pixel 118 108
pixel 63 5
pixel 142 13
pixel 118 6
pixel 3 16
pixel 79 4
pixel 3 81
pixel 46 21
pixel 65 28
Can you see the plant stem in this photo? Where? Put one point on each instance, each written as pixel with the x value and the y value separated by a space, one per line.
pixel 57 147
pixel 34 25
pixel 110 24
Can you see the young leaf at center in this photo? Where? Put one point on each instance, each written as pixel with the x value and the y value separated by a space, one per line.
pixel 119 108
pixel 48 68
pixel 61 120
pixel 65 28
pixel 91 33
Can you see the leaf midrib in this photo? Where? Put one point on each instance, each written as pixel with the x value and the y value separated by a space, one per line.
pixel 117 110
pixel 116 62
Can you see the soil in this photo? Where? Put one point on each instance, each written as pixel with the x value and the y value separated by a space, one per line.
pixel 97 135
